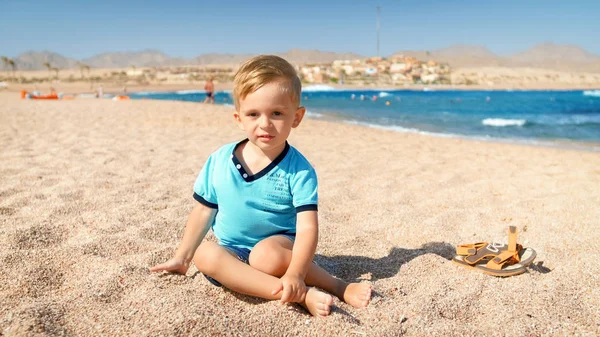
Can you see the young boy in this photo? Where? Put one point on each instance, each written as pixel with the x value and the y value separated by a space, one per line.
pixel 265 192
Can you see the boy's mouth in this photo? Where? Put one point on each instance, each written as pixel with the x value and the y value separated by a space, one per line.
pixel 265 137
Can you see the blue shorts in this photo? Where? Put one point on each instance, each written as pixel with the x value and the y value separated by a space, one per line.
pixel 243 254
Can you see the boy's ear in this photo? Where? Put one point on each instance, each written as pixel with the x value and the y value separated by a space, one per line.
pixel 298 117
pixel 238 120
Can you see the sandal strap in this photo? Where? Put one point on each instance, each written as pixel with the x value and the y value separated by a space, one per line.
pixel 505 257
pixel 498 254
pixel 512 238
pixel 489 251
pixel 510 255
pixel 469 248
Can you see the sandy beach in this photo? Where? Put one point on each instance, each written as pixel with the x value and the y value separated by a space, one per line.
pixel 93 192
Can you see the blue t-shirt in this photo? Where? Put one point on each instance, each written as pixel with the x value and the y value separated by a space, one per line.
pixel 254 207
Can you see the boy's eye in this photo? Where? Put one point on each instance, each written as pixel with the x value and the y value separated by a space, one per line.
pixel 277 113
pixel 253 114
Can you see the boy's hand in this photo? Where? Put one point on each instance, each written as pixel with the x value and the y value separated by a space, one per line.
pixel 174 265
pixel 293 287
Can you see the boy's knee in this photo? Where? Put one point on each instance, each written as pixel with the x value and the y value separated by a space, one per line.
pixel 269 260
pixel 206 257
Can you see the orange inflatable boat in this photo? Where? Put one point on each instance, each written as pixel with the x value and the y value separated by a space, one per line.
pixel 51 96
pixel 25 94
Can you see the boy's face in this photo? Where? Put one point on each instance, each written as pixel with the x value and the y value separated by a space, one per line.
pixel 267 116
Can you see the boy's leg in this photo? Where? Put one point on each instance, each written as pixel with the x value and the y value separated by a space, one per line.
pixel 218 263
pixel 273 255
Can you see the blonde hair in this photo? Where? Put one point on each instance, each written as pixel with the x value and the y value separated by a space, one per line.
pixel 263 69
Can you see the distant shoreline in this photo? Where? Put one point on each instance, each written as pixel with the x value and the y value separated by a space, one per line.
pixel 77 88
pixel 121 80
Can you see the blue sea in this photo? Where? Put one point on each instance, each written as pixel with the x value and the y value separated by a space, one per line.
pixel 555 118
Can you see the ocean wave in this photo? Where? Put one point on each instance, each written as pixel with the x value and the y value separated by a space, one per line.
pixel 319 87
pixel 398 128
pixel 187 92
pixel 580 120
pixel 500 122
pixel 384 94
pixel 594 93
pixel 147 93
pixel 517 140
pixel 313 114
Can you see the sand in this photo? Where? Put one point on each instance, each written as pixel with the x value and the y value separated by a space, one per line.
pixel 93 192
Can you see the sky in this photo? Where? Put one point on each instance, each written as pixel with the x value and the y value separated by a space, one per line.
pixel 82 28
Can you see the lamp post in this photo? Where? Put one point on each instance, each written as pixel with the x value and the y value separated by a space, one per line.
pixel 378 25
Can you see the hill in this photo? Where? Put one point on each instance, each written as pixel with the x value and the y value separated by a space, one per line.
pixel 33 60
pixel 545 55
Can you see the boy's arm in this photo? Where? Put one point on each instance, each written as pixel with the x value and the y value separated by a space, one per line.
pixel 198 223
pixel 196 227
pixel 307 234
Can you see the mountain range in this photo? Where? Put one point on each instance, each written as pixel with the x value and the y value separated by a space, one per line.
pixel 546 55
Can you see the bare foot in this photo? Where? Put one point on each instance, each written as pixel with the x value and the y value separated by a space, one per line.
pixel 358 295
pixel 317 303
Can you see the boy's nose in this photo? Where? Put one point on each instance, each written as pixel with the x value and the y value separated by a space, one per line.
pixel 265 122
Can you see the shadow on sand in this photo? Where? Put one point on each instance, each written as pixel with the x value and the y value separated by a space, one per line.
pixel 351 268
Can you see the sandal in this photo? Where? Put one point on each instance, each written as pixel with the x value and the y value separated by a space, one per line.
pixel 494 258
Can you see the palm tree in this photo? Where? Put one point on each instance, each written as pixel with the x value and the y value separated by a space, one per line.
pixel 5 61
pixel 83 68
pixel 87 69
pixel 56 71
pixel 49 66
pixel 13 66
pixel 80 66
